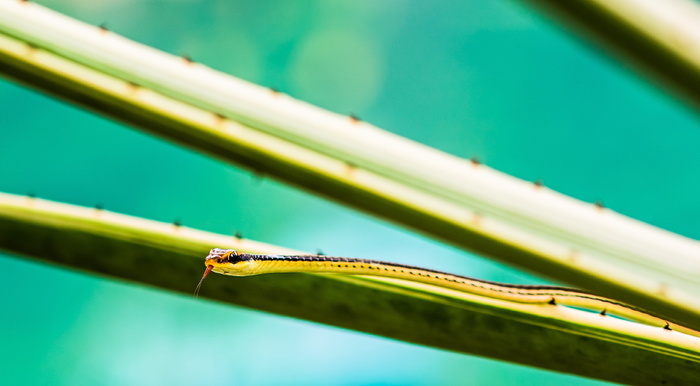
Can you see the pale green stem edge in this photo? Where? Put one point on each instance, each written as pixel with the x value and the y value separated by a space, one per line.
pixel 171 257
pixel 458 201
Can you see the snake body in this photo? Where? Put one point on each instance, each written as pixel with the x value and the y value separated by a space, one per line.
pixel 230 262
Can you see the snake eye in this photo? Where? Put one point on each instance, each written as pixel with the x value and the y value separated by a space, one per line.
pixel 230 257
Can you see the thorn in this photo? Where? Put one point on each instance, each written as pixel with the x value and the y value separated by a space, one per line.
pixel 177 223
pixel 320 253
pixel 663 289
pixel 220 119
pixel 350 168
pixel 99 207
pixel 275 91
pixel 31 195
pixel 103 27
pixel 668 327
pixel 539 183
pixel 476 218
pixel 132 88
pixel 604 312
pixel 475 161
pixel 354 119
pixel 187 59
pixel 238 235
pixel 599 204
pixel 553 302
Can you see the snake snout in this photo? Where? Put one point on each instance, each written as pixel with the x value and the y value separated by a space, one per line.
pixel 218 255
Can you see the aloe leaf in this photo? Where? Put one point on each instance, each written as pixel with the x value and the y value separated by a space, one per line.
pixel 171 257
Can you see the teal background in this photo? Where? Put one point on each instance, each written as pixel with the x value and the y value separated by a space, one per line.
pixel 492 79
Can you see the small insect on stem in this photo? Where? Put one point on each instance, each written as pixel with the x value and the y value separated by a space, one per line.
pixel 206 272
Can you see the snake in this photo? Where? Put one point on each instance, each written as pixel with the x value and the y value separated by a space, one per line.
pixel 232 263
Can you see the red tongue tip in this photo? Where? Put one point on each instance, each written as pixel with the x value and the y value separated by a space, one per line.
pixel 206 272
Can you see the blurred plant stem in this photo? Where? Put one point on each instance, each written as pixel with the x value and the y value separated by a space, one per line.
pixel 660 38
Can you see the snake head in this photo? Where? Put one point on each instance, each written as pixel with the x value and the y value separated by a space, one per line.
pixel 220 256
pixel 216 257
pixel 229 262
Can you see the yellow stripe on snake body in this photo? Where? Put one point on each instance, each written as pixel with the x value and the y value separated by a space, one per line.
pixel 230 262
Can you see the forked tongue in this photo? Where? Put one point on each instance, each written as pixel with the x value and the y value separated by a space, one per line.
pixel 206 272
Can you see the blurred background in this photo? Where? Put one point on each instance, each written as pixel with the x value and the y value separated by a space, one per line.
pixel 493 79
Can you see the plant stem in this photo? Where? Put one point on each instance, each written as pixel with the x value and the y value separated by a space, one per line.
pixel 170 257
pixel 451 199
